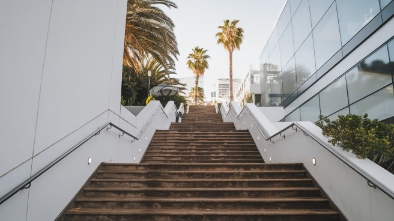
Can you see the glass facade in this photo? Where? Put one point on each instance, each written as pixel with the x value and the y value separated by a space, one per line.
pixel 309 38
pixel 354 15
pixel 326 37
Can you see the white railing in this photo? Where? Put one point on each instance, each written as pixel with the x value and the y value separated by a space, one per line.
pixel 361 189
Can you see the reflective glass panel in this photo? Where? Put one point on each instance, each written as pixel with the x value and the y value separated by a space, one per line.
pixel 275 59
pixel 310 111
pixel 286 46
pixel 369 75
pixel 391 52
pixel 379 105
pixel 384 3
pixel 289 79
pixel 301 24
pixel 294 116
pixel 275 89
pixel 273 40
pixel 354 15
pixel 284 19
pixel 344 111
pixel 317 9
pixel 264 55
pixel 305 61
pixel 326 37
pixel 294 5
pixel 334 97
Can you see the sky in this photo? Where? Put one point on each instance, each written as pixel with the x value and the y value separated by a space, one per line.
pixel 196 24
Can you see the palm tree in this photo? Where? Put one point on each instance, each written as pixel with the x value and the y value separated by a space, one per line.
pixel 231 37
pixel 200 94
pixel 149 33
pixel 197 62
pixel 162 76
pixel 134 85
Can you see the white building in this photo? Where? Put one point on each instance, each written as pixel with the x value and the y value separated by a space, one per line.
pixel 249 90
pixel 222 89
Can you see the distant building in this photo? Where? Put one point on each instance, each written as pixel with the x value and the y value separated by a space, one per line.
pixel 249 90
pixel 222 89
pixel 190 83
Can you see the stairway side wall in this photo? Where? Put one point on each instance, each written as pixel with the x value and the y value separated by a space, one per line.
pixel 60 65
pixel 346 187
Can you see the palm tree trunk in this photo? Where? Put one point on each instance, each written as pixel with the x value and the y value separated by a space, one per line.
pixel 231 75
pixel 196 89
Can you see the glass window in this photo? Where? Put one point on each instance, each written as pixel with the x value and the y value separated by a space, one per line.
pixel 301 24
pixel 305 61
pixel 286 46
pixel 256 79
pixel 326 37
pixel 379 105
pixel 284 19
pixel 264 55
pixel 391 52
pixel 289 79
pixel 271 86
pixel 275 90
pixel 318 8
pixel 344 111
pixel 334 97
pixel 369 75
pixel 310 111
pixel 384 3
pixel 354 15
pixel 275 60
pixel 294 116
pixel 294 5
pixel 273 40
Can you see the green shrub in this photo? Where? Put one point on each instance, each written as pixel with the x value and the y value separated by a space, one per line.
pixel 364 137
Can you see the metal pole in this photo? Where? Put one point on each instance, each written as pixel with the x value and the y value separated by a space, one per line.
pixel 149 74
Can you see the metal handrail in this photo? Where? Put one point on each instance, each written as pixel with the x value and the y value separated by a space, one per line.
pixel 27 182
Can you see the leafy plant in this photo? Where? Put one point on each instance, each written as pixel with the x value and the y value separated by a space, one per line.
pixel 149 99
pixel 364 137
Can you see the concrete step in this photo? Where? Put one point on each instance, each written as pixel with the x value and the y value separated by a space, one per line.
pixel 206 214
pixel 238 153
pixel 201 183
pixel 201 203
pixel 201 166
pixel 220 174
pixel 197 148
pixel 300 192
pixel 208 157
pixel 208 160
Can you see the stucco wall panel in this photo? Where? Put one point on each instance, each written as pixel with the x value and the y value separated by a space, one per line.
pixel 24 26
pixel 77 68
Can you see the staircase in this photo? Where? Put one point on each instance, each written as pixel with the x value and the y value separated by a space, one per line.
pixel 201 169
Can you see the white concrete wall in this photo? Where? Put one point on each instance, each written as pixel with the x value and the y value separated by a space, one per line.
pixel 61 70
pixel 343 183
pixel 274 114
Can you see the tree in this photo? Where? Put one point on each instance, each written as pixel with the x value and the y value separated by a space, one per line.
pixel 197 62
pixel 134 84
pixel 231 37
pixel 200 95
pixel 149 33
